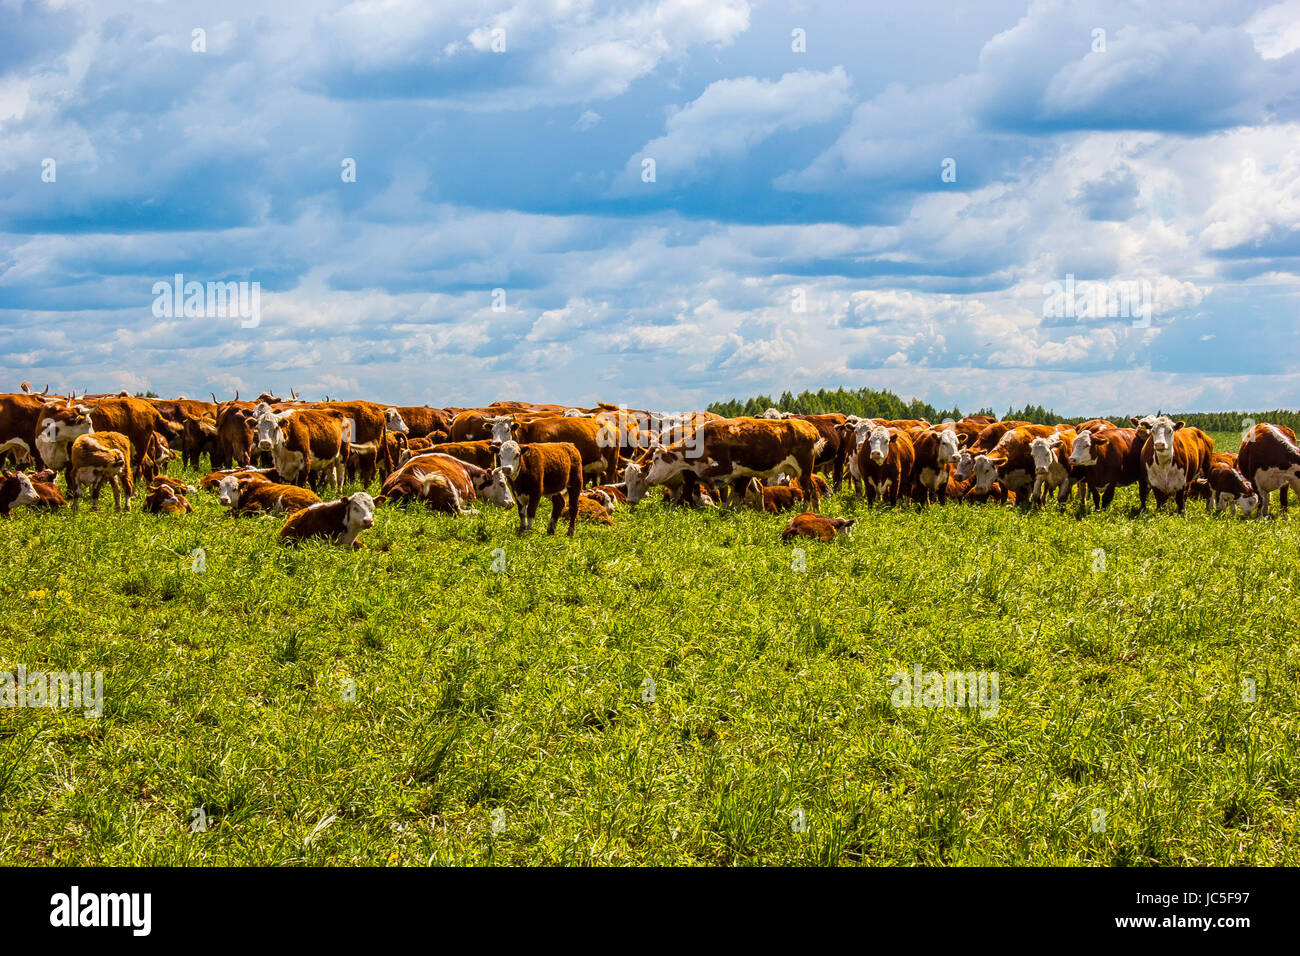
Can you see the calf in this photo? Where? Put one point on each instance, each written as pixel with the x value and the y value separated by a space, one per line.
pixel 175 484
pixel 885 461
pixel 1103 461
pixel 98 457
pixel 337 521
pixel 1011 463
pixel 210 482
pixel 16 489
pixel 591 508
pixel 1173 457
pixel 597 442
pixel 543 470
pixel 771 500
pixel 817 526
pixel 163 499
pixel 48 497
pixel 260 496
pixel 1226 488
pixel 1052 471
pixel 1270 459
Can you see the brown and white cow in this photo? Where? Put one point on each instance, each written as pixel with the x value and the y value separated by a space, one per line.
pixel 886 459
pixel 165 500
pixel 1226 488
pixel 16 490
pixel 733 450
pixel 445 483
pixel 306 444
pixel 337 521
pixel 818 527
pixel 479 453
pixel 98 457
pixel 596 441
pixel 984 442
pixel 1010 463
pixel 1270 459
pixel 1052 470
pixel 1173 457
pixel 245 495
pixel 1103 460
pixel 771 499
pixel 543 470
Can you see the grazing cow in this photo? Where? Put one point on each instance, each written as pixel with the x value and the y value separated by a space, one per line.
pixel 543 470
pixel 1052 470
pixel 1173 457
pixel 98 457
pixel 984 442
pixel 1010 463
pixel 245 495
pixel 736 449
pixel 1270 460
pixel 808 525
pixel 886 459
pixel 336 521
pixel 305 444
pixel 163 500
pixel 445 484
pixel 1102 460
pixel 676 488
pixel 1226 488
pixel 597 442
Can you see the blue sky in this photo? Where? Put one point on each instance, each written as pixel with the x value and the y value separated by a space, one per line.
pixel 798 233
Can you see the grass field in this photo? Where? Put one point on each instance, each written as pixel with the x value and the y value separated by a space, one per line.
pixel 500 710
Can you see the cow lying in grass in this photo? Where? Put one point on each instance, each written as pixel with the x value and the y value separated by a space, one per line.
pixel 253 494
pixel 810 525
pixel 446 484
pixel 163 499
pixel 337 521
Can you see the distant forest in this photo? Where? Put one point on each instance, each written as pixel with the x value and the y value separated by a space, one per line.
pixel 869 403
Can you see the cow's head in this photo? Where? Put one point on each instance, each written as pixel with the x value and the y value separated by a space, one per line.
pixel 986 471
pixel 26 492
pixel 267 429
pixel 493 488
pixel 394 422
pixel 637 486
pixel 228 491
pixel 666 463
pixel 510 456
pixel 1044 451
pixel 1143 426
pixel 965 464
pixel 59 426
pixel 500 427
pixel 360 511
pixel 1162 438
pixel 878 441
pixel 1085 448
pixel 950 444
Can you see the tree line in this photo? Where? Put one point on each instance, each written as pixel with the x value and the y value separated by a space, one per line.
pixel 873 403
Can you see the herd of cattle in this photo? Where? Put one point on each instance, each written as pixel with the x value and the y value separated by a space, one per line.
pixel 271 455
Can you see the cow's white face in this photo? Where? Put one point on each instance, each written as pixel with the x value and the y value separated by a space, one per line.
pixel 228 491
pixel 1043 452
pixel 509 457
pixel 965 465
pixel 361 512
pixel 496 489
pixel 1081 451
pixel 666 463
pixel 986 473
pixel 637 486
pixel 861 431
pixel 949 446
pixel 1247 504
pixel 1162 438
pixel 26 492
pixel 269 436
pixel 878 444
pixel 394 422
pixel 500 426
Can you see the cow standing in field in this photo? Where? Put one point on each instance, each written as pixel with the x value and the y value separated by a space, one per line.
pixel 99 457
pixel 543 470
pixel 305 445
pixel 1011 462
pixel 1270 460
pixel 936 451
pixel 736 449
pixel 1105 460
pixel 1173 457
pixel 336 521
pixel 1052 470
pixel 984 442
pixel 597 442
pixel 885 461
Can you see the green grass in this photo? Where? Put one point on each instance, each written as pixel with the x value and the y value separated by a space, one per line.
pixel 517 695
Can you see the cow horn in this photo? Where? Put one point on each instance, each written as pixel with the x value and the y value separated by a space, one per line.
pixel 214 398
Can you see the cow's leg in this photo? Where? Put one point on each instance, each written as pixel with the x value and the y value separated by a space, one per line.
pixel 690 488
pixel 557 505
pixel 1108 497
pixel 811 498
pixel 533 501
pixel 575 492
pixel 737 497
pixel 114 483
pixel 1180 498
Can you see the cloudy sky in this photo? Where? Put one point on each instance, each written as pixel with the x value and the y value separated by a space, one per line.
pixel 880 197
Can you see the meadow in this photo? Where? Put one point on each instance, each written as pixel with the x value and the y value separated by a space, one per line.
pixel 680 689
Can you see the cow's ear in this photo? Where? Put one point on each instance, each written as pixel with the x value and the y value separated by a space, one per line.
pixel 893 437
pixel 963 439
pixel 1136 421
pixel 1098 439
pixel 1178 425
